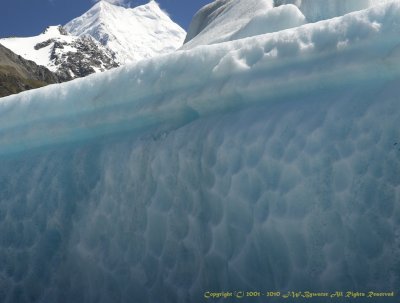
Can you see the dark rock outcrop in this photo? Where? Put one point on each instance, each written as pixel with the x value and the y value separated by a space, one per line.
pixel 87 56
pixel 18 74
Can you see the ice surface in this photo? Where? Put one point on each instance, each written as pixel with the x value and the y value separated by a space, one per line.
pixel 267 163
pixel 316 10
pixel 273 20
pixel 224 20
pixel 219 20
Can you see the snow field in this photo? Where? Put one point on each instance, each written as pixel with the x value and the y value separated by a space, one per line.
pixel 132 33
pixel 25 47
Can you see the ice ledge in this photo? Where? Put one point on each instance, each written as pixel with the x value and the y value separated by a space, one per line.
pixel 354 52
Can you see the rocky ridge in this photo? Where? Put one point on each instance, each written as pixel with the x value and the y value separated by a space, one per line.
pixel 67 56
pixel 18 74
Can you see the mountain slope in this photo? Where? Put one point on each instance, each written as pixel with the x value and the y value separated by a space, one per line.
pixel 132 33
pixel 18 74
pixel 67 56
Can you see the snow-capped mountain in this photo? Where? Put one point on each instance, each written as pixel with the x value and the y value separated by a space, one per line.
pixel 104 37
pixel 66 55
pixel 132 33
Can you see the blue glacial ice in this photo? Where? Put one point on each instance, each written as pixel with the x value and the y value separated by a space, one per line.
pixel 266 163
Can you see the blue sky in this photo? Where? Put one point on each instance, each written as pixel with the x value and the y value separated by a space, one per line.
pixel 31 17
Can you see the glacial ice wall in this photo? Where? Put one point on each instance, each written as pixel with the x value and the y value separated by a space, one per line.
pixel 268 163
pixel 227 20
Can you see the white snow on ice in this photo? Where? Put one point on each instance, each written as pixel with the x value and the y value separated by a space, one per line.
pixel 225 20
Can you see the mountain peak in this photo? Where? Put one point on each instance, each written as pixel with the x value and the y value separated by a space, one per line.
pixel 133 33
pixel 105 4
pixel 153 2
pixel 100 6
